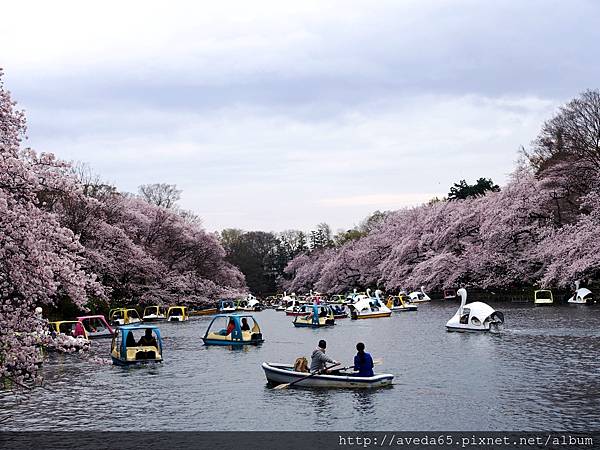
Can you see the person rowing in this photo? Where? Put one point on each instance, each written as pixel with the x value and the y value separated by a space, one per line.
pixel 363 362
pixel 319 360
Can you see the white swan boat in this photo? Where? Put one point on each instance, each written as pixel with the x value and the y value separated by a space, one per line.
pixel 582 296
pixel 419 296
pixel 367 307
pixel 278 373
pixel 250 303
pixel 476 316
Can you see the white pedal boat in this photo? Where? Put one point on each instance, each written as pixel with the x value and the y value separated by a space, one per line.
pixel 582 296
pixel 278 373
pixel 476 316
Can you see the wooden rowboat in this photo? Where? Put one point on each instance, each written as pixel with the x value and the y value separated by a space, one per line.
pixel 278 373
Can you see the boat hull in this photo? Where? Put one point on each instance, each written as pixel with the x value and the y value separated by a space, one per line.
pixel 208 341
pixel 580 302
pixel 203 312
pixel 295 313
pixel 103 335
pixel 311 325
pixel 153 318
pixel 467 330
pixel 404 308
pixel 284 373
pixel 371 316
pixel 122 362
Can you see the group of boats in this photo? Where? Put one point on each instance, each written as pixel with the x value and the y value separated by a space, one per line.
pixel 581 296
pixel 138 339
pixel 356 305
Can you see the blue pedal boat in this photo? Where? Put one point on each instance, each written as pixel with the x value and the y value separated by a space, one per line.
pixel 233 329
pixel 136 344
pixel 314 316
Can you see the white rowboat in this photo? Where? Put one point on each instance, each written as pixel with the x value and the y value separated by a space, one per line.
pixel 278 373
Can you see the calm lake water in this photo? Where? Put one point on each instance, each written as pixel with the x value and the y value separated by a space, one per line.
pixel 541 372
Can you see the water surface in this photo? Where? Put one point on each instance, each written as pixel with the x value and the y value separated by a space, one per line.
pixel 541 372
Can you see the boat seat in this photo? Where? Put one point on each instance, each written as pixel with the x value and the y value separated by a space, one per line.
pixel 145 355
pixel 256 336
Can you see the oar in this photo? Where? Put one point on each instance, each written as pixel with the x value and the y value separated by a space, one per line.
pixel 312 374
pixel 376 362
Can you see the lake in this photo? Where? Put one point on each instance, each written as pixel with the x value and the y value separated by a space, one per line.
pixel 541 372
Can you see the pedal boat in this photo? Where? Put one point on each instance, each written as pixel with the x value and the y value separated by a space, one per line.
pixel 73 328
pixel 226 306
pixel 398 303
pixel 123 316
pixel 365 307
pixel 236 336
pixel 250 303
pixel 314 316
pixel 124 354
pixel 177 314
pixel 449 294
pixel 339 311
pixel 154 313
pixel 581 296
pixel 476 316
pixel 419 296
pixel 96 326
pixel 543 297
pixel 337 298
pixel 278 373
pixel 293 307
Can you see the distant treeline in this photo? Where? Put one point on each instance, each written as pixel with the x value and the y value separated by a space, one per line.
pixel 541 229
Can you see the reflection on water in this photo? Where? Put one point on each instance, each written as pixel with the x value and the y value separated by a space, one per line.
pixel 541 372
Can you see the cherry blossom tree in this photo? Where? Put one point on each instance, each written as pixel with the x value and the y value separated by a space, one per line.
pixel 68 238
pixel 40 260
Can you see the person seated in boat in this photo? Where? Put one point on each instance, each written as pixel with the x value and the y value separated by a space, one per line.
pixel 301 364
pixel 319 360
pixel 147 340
pixel 230 327
pixel 363 362
pixel 245 326
pixel 130 341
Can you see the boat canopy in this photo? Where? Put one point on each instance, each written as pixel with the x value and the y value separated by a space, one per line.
pixel 544 294
pixel 230 332
pixel 226 304
pixel 583 293
pixel 126 347
pixel 177 310
pixel 364 303
pixel 155 309
pixel 69 327
pixel 479 310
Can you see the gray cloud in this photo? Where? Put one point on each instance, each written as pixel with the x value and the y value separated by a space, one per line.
pixel 377 102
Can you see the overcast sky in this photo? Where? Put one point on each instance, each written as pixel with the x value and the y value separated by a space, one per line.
pixel 277 115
